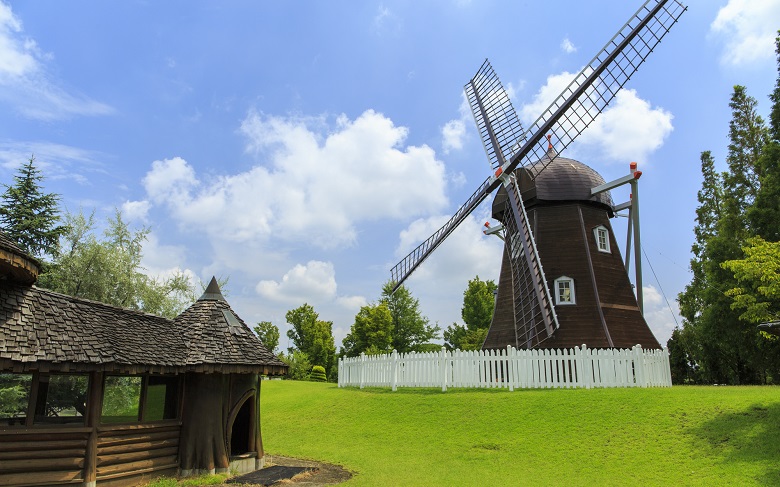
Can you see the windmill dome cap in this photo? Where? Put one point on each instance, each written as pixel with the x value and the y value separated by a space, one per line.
pixel 564 179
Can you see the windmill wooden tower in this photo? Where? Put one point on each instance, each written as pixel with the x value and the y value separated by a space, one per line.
pixel 555 211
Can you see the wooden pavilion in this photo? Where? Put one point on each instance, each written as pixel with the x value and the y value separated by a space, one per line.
pixel 96 394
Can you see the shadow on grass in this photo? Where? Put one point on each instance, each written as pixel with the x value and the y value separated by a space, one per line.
pixel 748 436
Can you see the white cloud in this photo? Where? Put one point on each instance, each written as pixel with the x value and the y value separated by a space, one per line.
pixel 313 283
pixel 452 135
pixel 629 129
pixel 658 315
pixel 57 161
pixel 24 82
pixel 386 22
pixel 352 303
pixel 163 261
pixel 556 83
pixel 567 46
pixel 748 29
pixel 314 185
pixel 135 210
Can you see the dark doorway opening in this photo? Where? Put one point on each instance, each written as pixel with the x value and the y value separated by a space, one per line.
pixel 240 432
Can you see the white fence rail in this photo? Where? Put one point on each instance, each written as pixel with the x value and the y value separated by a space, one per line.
pixel 510 368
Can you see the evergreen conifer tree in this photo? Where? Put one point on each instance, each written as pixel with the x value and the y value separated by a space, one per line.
pixel 29 216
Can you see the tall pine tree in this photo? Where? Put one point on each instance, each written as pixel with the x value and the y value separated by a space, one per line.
pixel 723 348
pixel 29 216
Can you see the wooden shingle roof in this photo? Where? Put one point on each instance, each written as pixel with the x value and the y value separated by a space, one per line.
pixel 15 264
pixel 43 330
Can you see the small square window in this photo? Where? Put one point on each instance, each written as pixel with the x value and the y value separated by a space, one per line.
pixel 564 290
pixel 602 238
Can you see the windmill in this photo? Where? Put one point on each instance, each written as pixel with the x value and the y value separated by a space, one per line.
pixel 527 313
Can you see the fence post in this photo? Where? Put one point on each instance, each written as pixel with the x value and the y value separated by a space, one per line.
pixel 443 355
pixel 394 372
pixel 639 366
pixel 340 372
pixel 362 367
pixel 587 367
pixel 510 368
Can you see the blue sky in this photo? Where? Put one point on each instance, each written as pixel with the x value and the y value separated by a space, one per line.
pixel 303 148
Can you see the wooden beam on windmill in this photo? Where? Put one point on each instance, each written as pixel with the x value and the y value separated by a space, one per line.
pixel 631 178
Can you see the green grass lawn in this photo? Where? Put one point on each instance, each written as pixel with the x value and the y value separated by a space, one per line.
pixel 673 436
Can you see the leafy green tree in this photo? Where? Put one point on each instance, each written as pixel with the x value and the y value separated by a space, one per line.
pixel 477 313
pixel 110 271
pixel 682 357
pixel 312 336
pixel 268 334
pixel 30 217
pixel 371 333
pixel 411 331
pixel 758 274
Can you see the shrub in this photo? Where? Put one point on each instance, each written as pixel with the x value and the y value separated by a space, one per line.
pixel 299 365
pixel 318 374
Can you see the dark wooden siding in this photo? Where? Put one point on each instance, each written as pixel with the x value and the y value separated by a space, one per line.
pixel 604 316
pixel 502 327
pixel 564 253
pixel 127 453
pixel 43 456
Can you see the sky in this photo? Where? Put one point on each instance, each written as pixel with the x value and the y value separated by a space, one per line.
pixel 303 148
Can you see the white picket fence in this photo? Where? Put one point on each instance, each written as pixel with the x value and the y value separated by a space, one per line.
pixel 510 368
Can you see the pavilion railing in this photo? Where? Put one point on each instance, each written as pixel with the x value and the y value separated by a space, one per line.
pixel 578 367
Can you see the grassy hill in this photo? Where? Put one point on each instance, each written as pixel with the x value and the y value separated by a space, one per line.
pixel 674 436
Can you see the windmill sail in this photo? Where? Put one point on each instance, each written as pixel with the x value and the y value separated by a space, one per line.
pixel 534 314
pixel 575 108
pixel 496 119
pixel 596 85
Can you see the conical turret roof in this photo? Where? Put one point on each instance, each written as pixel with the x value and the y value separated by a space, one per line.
pixel 216 335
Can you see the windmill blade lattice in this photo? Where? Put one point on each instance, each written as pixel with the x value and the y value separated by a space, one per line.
pixel 535 318
pixel 403 269
pixel 496 119
pixel 597 84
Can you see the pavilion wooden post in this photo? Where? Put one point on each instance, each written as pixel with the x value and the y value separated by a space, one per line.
pixel 93 419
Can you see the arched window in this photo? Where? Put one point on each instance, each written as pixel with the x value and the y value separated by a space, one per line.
pixel 602 238
pixel 564 291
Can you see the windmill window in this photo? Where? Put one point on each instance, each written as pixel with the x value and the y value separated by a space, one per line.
pixel 602 238
pixel 564 290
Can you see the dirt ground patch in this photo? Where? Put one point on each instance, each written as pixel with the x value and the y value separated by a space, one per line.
pixel 326 474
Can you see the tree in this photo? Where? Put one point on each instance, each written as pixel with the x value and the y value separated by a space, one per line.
pixel 477 313
pixel 110 270
pixel 268 334
pixel 30 217
pixel 411 331
pixel 764 215
pixel 298 365
pixel 758 274
pixel 312 336
pixel 371 333
pixel 720 346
